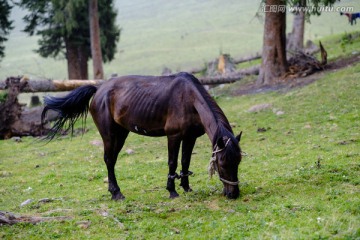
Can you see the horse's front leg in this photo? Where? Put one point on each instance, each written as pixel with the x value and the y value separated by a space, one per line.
pixel 173 152
pixel 187 148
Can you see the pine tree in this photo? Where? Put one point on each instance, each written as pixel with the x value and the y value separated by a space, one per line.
pixel 63 26
pixel 5 25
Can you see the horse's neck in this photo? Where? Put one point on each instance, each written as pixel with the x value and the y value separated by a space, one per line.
pixel 207 117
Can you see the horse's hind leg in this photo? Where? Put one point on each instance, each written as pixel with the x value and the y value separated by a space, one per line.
pixel 187 148
pixel 173 152
pixel 111 153
pixel 114 139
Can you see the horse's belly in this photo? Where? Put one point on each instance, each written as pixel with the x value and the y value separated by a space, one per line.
pixel 143 125
pixel 168 125
pixel 146 130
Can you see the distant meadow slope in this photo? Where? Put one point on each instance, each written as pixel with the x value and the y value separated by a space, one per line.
pixel 177 34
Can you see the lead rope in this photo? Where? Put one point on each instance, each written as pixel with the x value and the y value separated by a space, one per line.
pixel 212 165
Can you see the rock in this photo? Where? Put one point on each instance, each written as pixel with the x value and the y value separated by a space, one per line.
pixel 106 180
pixel 26 202
pixel 233 125
pixel 5 174
pixel 130 151
pixel 260 107
pixel 261 129
pixel 16 139
pixel 96 143
pixel 278 113
pixel 104 213
pixel 83 224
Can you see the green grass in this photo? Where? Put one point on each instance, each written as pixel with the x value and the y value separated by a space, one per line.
pixel 342 45
pixel 300 179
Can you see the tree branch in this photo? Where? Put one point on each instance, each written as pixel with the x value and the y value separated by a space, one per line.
pixel 8 218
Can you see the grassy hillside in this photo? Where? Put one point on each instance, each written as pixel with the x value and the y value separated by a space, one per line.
pixel 300 179
pixel 179 35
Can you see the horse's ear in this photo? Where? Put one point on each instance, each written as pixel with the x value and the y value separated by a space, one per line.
pixel 238 137
pixel 220 143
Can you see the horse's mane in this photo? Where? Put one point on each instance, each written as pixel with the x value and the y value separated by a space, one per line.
pixel 223 123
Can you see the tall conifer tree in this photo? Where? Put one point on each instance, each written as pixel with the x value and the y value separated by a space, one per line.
pixel 63 26
pixel 5 24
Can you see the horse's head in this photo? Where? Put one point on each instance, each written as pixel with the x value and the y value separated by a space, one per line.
pixel 226 159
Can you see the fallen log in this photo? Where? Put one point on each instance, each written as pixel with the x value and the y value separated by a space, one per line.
pixel 230 78
pixel 247 58
pixel 254 70
pixel 8 218
pixel 47 85
pixel 197 70
pixel 220 79
pixel 235 61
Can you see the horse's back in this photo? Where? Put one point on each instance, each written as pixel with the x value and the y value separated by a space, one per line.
pixel 153 88
pixel 148 105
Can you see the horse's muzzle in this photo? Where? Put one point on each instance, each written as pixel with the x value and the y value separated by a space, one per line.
pixel 231 192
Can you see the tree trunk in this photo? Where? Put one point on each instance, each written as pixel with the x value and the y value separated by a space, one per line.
pixel 274 62
pixel 77 60
pixel 95 40
pixel 83 58
pixel 296 37
pixel 72 60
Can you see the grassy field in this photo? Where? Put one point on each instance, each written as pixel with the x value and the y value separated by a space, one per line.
pixel 300 179
pixel 180 35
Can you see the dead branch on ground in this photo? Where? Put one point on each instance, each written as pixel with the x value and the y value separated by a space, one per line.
pixel 302 64
pixel 8 218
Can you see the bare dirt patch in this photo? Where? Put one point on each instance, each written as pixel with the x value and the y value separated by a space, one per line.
pixel 287 84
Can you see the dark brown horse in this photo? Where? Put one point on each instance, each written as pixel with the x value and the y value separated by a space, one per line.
pixel 175 106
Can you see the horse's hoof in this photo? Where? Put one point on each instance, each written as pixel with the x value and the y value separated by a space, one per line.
pixel 117 196
pixel 188 190
pixel 174 195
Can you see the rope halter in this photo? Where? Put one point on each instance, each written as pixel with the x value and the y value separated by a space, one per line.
pixel 213 166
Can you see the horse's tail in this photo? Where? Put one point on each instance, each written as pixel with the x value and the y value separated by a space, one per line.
pixel 70 108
